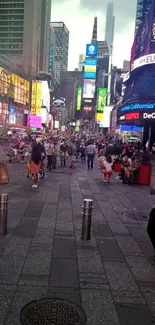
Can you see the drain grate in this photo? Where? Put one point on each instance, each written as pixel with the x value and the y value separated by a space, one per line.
pixel 138 215
pixel 52 311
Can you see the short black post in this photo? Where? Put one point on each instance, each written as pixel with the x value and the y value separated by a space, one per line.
pixel 3 213
pixel 87 215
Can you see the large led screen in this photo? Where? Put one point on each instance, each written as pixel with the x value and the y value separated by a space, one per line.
pixel 90 68
pixel 89 88
pixel 101 99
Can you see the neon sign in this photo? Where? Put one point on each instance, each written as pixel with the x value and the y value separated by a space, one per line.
pixel 138 106
pixel 132 116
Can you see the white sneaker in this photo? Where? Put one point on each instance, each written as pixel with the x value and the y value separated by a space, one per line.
pixel 34 186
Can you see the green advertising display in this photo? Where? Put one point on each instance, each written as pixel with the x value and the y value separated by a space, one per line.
pixel 78 98
pixel 101 99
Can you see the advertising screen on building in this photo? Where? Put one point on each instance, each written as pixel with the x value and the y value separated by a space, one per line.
pixel 101 99
pixel 90 68
pixel 91 49
pixel 106 118
pixel 89 88
pixel 87 108
pixel 36 98
pixel 78 98
pixel 99 119
pixel 34 121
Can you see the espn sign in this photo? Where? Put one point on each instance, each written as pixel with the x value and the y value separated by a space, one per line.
pixel 132 116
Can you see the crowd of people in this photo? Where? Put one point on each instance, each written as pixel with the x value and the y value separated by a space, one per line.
pixel 62 152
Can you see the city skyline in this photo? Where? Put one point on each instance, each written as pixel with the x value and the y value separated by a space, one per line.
pixel 79 18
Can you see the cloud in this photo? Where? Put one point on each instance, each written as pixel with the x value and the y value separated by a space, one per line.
pixel 78 15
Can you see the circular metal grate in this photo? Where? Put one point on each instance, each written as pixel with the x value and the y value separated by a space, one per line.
pixel 138 215
pixel 52 311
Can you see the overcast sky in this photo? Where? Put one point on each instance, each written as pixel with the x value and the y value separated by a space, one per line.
pixel 78 15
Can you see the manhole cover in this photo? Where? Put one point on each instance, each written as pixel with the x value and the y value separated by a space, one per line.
pixel 52 312
pixel 138 215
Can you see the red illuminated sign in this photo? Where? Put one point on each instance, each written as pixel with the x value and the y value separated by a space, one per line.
pixel 132 116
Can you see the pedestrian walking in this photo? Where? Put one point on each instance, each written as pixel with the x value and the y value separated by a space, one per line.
pixel 90 152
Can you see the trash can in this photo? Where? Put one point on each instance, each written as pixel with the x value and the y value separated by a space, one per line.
pixel 3 213
pixel 145 172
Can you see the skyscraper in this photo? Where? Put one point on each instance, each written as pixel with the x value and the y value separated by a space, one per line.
pixel 81 62
pixel 142 8
pixel 61 51
pixel 45 34
pixel 110 25
pixel 94 34
pixel 24 33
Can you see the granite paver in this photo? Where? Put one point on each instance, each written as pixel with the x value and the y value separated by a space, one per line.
pixel 112 276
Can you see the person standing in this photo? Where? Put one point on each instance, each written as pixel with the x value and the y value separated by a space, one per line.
pixel 49 151
pixel 35 164
pixel 90 152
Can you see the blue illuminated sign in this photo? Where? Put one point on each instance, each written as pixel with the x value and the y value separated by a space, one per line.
pixel 137 106
pixel 11 110
pixel 91 50
pixel 131 128
pixel 89 75
pixel 51 58
pixel 90 68
pixel 90 61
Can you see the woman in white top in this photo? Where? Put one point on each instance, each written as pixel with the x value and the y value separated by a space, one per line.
pixel 107 168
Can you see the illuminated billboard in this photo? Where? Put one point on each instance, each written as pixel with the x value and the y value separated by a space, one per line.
pixel 87 108
pixel 14 86
pixel 36 97
pixel 89 88
pixel 78 98
pixel 91 49
pixel 90 68
pixel 101 99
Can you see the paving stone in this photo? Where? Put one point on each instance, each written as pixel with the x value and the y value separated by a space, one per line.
pixel 10 268
pixel 99 307
pixel 33 280
pixel 93 281
pixel 128 245
pixel 82 243
pixel 141 268
pixel 33 210
pixel 149 295
pixel 138 233
pixel 72 294
pixel 128 297
pixel 133 314
pixel 108 247
pixel 37 262
pixel 117 227
pixel 6 295
pixel 26 227
pixel 17 246
pixel 64 273
pixel 120 276
pixel 147 248
pixel 101 230
pixel 64 248
pixel 44 236
pixel 23 296
pixel 47 223
pixel 64 226
pixel 89 261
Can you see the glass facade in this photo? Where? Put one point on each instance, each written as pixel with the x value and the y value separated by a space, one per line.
pixel 11 27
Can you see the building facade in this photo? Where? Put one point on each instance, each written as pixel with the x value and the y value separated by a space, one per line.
pixel 24 34
pixel 61 52
pixel 45 34
pixel 81 62
pixel 110 24
pixel 141 10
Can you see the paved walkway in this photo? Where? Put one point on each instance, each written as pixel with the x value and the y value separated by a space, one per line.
pixel 112 276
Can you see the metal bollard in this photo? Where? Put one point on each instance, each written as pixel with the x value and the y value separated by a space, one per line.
pixel 87 215
pixel 3 213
